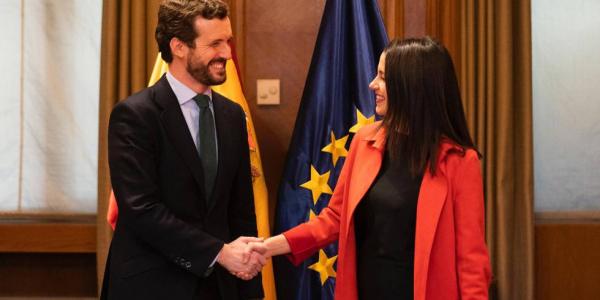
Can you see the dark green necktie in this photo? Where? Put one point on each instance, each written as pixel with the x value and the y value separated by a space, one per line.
pixel 207 145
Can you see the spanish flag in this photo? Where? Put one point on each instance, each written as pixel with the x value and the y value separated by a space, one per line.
pixel 231 89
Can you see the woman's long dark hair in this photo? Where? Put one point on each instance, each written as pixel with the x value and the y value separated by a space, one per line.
pixel 423 102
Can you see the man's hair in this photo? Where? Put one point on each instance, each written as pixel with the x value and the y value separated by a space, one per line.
pixel 176 20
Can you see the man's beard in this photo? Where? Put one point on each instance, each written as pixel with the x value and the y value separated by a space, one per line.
pixel 201 73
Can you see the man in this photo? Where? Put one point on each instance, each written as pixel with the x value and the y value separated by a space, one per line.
pixel 179 165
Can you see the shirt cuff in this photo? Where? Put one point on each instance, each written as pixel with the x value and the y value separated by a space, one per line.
pixel 212 265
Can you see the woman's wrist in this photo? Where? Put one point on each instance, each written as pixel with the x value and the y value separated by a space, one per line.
pixel 277 245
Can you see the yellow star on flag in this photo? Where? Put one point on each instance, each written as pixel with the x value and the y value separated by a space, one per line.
pixel 311 214
pixel 337 148
pixel 361 121
pixel 324 266
pixel 317 184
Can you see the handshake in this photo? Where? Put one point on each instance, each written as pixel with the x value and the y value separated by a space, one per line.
pixel 246 256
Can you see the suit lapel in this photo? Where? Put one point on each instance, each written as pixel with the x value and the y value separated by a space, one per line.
pixel 177 130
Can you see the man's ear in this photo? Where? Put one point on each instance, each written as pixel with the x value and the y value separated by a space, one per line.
pixel 178 48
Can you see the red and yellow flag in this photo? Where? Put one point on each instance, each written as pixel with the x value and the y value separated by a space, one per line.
pixel 231 89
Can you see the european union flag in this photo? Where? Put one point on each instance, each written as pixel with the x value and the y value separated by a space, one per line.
pixel 336 102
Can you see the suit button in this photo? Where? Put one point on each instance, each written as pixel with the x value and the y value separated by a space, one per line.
pixel 188 265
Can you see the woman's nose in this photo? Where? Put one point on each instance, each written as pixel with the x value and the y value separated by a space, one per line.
pixel 372 85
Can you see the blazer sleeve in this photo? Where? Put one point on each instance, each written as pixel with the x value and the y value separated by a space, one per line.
pixel 307 238
pixel 132 149
pixel 473 264
pixel 242 216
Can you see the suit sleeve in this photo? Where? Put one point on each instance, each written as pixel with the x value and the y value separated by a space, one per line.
pixel 242 217
pixel 307 238
pixel 473 265
pixel 132 149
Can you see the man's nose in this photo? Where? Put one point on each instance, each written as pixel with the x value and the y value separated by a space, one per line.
pixel 225 51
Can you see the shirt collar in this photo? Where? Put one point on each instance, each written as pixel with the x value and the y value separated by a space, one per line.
pixel 182 92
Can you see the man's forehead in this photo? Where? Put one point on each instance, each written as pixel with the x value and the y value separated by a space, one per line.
pixel 213 28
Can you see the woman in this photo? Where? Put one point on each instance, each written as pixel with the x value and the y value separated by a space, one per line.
pixel 408 207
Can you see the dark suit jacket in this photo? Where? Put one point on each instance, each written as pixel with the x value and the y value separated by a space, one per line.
pixel 167 236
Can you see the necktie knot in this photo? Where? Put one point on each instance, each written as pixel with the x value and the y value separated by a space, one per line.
pixel 202 100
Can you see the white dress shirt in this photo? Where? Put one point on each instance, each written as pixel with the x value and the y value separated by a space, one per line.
pixel 189 108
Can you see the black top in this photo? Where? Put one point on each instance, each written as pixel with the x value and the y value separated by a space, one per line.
pixel 385 233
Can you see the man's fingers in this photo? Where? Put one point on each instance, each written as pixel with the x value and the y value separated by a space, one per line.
pixel 259 258
pixel 249 274
pixel 243 275
pixel 257 264
pixel 246 254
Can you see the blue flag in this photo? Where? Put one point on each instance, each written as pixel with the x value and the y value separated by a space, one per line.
pixel 336 102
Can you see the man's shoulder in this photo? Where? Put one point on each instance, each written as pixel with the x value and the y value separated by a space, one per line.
pixel 226 103
pixel 140 101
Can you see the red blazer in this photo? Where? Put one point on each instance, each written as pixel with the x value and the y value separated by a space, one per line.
pixel 451 258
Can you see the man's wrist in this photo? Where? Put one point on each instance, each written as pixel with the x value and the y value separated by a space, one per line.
pixel 216 259
pixel 219 258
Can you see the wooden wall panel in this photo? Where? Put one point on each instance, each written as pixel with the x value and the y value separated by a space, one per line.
pixel 278 43
pixel 48 238
pixel 567 263
pixel 47 275
pixel 47 255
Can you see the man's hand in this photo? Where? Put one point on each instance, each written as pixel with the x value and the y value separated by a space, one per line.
pixel 272 246
pixel 275 245
pixel 240 260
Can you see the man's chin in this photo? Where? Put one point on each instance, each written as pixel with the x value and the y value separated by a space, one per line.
pixel 218 80
pixel 210 80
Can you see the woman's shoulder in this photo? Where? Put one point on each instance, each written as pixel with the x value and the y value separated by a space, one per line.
pixel 453 153
pixel 457 161
pixel 370 131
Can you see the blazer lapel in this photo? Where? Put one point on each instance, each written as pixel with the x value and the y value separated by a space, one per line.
pixel 177 130
pixel 432 196
pixel 365 170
